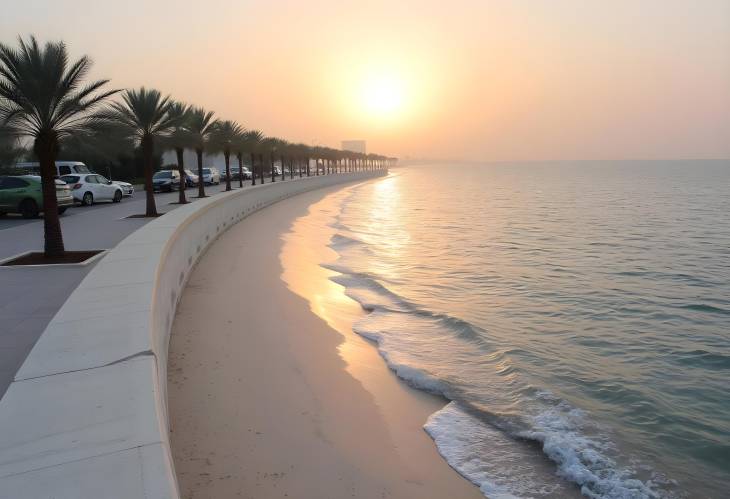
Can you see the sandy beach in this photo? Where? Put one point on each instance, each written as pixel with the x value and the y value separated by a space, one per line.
pixel 270 399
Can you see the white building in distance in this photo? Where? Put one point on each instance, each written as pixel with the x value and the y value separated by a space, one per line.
pixel 354 146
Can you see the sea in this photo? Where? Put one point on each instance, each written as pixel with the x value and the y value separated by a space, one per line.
pixel 574 315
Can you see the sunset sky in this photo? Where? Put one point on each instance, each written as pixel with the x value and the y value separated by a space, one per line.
pixel 478 80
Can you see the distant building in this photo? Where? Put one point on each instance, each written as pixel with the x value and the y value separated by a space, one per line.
pixel 354 146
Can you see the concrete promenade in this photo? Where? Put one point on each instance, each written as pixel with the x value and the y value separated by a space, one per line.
pixel 31 296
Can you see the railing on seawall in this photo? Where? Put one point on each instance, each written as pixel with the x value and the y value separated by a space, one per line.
pixel 86 416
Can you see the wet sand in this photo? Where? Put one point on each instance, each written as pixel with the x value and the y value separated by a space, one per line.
pixel 269 399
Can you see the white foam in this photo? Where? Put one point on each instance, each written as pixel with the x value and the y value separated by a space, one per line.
pixel 582 459
pixel 501 467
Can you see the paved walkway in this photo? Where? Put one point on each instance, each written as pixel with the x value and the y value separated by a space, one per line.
pixel 31 296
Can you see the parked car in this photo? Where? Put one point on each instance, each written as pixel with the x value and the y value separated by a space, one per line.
pixel 72 168
pixel 166 180
pixel 211 176
pixel 236 173
pixel 88 189
pixel 191 179
pixel 23 194
pixel 62 168
pixel 127 188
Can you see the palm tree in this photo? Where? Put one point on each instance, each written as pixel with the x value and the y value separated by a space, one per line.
pixel 283 149
pixel 302 151
pixel 179 140
pixel 200 124
pixel 268 146
pixel 144 115
pixel 310 153
pixel 251 143
pixel 239 147
pixel 42 97
pixel 292 149
pixel 223 137
pixel 315 156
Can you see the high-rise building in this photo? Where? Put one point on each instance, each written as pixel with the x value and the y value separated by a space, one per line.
pixel 354 146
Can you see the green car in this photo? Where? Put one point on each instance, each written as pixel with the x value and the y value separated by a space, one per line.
pixel 22 194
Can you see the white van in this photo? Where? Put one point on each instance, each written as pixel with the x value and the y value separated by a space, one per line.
pixel 62 168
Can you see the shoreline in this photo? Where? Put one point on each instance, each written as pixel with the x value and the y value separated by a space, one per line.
pixel 258 409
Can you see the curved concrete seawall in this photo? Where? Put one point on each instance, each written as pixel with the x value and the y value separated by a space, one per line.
pixel 86 416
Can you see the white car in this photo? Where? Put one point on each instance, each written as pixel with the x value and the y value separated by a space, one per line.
pixel 127 188
pixel 211 176
pixel 88 189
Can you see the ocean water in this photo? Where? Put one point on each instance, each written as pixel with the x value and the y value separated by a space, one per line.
pixel 576 316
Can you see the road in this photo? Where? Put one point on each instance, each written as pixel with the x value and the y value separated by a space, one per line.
pixel 31 296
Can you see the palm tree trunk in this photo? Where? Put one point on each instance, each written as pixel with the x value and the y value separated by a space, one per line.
pixel 147 155
pixel 201 184
pixel 299 167
pixel 291 168
pixel 46 147
pixel 253 169
pixel 273 172
pixel 227 156
pixel 308 168
pixel 240 170
pixel 181 169
pixel 283 175
pixel 261 167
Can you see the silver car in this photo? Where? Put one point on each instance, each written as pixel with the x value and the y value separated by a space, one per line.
pixel 211 176
pixel 127 188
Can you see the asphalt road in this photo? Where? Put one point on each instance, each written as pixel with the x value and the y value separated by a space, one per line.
pixel 31 296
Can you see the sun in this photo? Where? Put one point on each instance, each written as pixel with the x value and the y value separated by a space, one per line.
pixel 383 95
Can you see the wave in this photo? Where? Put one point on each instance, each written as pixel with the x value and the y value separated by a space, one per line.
pixel 372 296
pixel 582 459
pixel 702 307
pixel 394 324
pixel 702 358
pixel 410 339
pixel 339 241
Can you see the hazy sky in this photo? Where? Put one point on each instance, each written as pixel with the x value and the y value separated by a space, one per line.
pixel 497 80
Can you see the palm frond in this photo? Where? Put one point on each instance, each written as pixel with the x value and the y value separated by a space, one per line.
pixel 142 113
pixel 40 92
pixel 224 135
